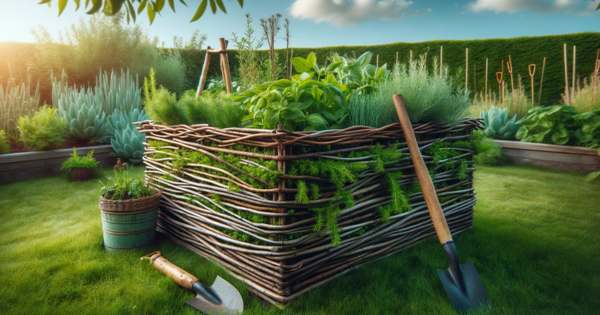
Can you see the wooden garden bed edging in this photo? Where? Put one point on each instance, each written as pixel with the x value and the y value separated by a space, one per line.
pixel 35 164
pixel 198 204
pixel 550 156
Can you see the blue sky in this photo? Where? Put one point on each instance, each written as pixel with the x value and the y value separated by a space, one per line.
pixel 316 23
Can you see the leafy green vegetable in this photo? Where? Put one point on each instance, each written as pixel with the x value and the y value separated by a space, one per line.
pixel 550 124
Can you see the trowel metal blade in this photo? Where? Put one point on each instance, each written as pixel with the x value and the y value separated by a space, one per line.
pixel 232 302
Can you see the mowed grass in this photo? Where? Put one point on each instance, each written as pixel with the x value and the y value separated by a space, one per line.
pixel 535 243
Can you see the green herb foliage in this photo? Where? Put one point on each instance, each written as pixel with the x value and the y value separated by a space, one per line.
pixel 4 146
pixel 299 104
pixel 427 96
pixel 218 110
pixel 123 187
pixel 42 131
pixel 353 76
pixel 77 161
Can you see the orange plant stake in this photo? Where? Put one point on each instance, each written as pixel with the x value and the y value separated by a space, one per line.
pixel 512 82
pixel 531 74
pixel 499 79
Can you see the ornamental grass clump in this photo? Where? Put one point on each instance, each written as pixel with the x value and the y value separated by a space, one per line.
pixel 79 161
pixel 427 95
pixel 16 100
pixel 42 131
pixel 123 187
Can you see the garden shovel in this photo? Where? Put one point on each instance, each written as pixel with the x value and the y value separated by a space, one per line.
pixel 462 282
pixel 220 298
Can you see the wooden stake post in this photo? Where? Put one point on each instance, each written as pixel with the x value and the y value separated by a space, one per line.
pixel 541 81
pixel 512 82
pixel 531 74
pixel 499 79
pixel 486 77
pixel 566 75
pixel 573 82
pixel 467 69
pixel 225 70
pixel 594 83
pixel 441 59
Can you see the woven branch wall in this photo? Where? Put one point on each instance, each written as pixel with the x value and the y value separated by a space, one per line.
pixel 286 211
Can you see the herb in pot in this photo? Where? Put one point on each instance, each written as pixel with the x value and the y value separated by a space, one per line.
pixel 80 161
pixel 123 187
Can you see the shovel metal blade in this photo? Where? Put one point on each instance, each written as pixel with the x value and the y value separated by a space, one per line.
pixel 462 284
pixel 231 300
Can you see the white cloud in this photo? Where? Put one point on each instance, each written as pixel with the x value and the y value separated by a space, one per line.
pixel 349 12
pixel 577 7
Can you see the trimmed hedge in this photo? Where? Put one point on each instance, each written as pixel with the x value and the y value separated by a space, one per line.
pixel 523 51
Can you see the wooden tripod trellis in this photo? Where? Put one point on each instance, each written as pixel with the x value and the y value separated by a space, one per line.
pixel 225 71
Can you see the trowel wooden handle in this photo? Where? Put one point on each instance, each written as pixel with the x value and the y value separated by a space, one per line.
pixel 182 277
pixel 431 199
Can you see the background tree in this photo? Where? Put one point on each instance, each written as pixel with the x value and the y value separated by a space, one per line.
pixel 111 7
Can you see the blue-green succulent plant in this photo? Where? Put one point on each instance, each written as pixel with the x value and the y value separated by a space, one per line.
pixel 83 112
pixel 120 120
pixel 497 125
pixel 128 143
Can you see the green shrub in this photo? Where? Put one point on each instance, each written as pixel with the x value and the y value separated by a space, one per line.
pixel 550 124
pixel 78 161
pixel 427 96
pixel 42 131
pixel 4 146
pixel 16 101
pixel 102 42
pixel 487 152
pixel 123 187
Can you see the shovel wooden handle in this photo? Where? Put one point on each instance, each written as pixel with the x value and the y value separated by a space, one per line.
pixel 182 277
pixel 431 199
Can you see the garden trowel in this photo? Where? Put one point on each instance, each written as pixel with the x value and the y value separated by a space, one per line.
pixel 220 298
pixel 462 282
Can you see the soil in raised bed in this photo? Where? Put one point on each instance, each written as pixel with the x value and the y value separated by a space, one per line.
pixel 16 147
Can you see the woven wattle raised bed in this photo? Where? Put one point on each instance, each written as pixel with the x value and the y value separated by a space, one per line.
pixel 279 268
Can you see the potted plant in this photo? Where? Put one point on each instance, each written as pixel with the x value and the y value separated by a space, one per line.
pixel 129 210
pixel 80 167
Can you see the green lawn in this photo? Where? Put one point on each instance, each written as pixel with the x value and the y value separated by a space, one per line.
pixel 535 243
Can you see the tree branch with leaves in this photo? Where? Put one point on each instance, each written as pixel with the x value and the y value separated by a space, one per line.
pixel 152 7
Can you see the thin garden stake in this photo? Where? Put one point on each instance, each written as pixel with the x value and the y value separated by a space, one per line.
pixel 512 82
pixel 598 54
pixel 595 80
pixel 377 63
pixel 410 56
pixel 291 64
pixel 573 82
pixel 474 78
pixel 467 69
pixel 442 59
pixel 566 75
pixel 486 77
pixel 204 73
pixel 500 92
pixel 541 81
pixel 396 57
pixel 531 74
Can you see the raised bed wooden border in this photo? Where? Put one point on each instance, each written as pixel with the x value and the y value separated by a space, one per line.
pixel 550 156
pixel 36 164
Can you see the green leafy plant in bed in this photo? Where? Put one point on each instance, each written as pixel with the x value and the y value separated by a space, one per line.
pixel 80 161
pixel 428 96
pixel 4 147
pixel 218 109
pixel 353 76
pixel 44 130
pixel 122 187
pixel 550 124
